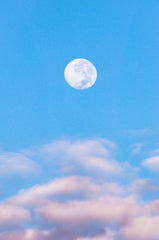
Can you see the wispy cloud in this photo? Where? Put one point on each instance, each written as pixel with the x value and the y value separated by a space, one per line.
pixel 136 148
pixel 16 163
pixel 90 154
pixel 152 163
pixel 142 132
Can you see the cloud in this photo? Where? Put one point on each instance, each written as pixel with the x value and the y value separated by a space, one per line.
pixel 136 148
pixel 140 187
pixel 152 163
pixel 16 163
pixel 35 234
pixel 89 155
pixel 142 132
pixel 104 210
pixel 81 206
pixel 141 228
pixel 13 215
pixel 38 195
pixel 107 235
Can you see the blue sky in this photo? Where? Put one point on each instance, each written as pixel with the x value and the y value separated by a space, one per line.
pixel 37 40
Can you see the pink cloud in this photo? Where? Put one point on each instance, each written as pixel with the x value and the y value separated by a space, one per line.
pixel 107 210
pixel 107 235
pixel 26 235
pixel 80 207
pixel 13 215
pixel 38 195
pixel 141 228
pixel 35 234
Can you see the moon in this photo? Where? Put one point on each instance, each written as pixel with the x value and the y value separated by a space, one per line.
pixel 80 74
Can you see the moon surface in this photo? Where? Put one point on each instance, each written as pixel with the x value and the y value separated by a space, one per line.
pixel 80 74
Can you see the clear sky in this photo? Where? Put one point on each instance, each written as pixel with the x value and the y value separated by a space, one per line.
pixel 54 137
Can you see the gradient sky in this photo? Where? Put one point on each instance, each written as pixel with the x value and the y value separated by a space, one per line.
pixel 68 157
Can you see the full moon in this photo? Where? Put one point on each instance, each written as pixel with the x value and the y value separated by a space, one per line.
pixel 80 74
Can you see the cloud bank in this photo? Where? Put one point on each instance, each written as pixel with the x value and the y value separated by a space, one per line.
pixel 93 198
